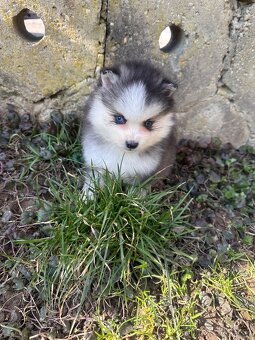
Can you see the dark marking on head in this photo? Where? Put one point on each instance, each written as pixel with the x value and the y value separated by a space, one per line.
pixel 158 87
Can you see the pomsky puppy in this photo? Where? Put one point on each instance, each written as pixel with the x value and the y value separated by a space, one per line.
pixel 128 125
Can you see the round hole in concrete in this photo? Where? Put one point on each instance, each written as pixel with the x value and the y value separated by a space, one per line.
pixel 29 25
pixel 170 38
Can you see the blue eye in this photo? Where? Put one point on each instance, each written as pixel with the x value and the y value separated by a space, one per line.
pixel 120 119
pixel 148 124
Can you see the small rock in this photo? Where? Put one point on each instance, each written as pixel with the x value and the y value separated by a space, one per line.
pixel 7 216
pixel 14 316
pixel 43 214
pixel 223 247
pixel 45 126
pixel 5 135
pixel 126 329
pixel 200 222
pixel 228 235
pixel 224 155
pixel 242 202
pixel 209 215
pixel 39 141
pixel 226 308
pixel 206 300
pixel 56 117
pixel 205 261
pixel 26 217
pixel 192 187
pixel 18 283
pixel 43 313
pixel 53 261
pixel 203 142
pixel 2 317
pixel 46 154
pixel 214 177
pixel 13 119
pixel 208 326
pixel 25 122
pixel 200 178
pixel 25 272
pixel 9 165
pixel 2 156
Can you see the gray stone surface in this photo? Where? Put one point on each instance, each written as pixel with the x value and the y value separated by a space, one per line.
pixel 200 65
pixel 135 27
pixel 239 77
pixel 35 76
pixel 214 117
pixel 213 63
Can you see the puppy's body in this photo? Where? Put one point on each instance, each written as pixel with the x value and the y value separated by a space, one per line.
pixel 128 123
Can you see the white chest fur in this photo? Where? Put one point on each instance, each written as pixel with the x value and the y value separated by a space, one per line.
pixel 130 163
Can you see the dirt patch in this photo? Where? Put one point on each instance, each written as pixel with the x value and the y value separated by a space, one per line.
pixel 220 181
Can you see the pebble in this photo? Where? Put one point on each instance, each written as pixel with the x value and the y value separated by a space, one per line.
pixel 9 165
pixel 26 217
pixel 25 122
pixel 214 177
pixel 45 154
pixel 13 119
pixel 2 156
pixel 206 300
pixel 7 215
pixel 57 117
pixel 200 178
pixel 208 326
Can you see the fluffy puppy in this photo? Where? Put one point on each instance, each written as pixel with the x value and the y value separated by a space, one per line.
pixel 128 125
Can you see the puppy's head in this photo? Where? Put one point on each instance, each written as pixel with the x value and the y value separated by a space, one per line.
pixel 132 106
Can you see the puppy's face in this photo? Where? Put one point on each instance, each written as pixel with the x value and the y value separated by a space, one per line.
pixel 124 114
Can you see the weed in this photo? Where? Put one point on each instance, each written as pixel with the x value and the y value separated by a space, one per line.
pixel 48 149
pixel 124 265
pixel 232 285
pixel 108 244
pixel 171 315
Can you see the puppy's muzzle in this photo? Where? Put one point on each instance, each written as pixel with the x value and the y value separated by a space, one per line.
pixel 131 144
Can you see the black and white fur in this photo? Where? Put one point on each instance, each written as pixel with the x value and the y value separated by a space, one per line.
pixel 129 124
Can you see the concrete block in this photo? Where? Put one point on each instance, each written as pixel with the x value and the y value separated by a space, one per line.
pixel 63 61
pixel 211 56
pixel 239 78
pixel 214 117
pixel 196 63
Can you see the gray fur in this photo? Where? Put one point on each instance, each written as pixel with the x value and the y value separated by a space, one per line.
pixel 101 134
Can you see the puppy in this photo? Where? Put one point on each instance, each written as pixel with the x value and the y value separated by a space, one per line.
pixel 128 125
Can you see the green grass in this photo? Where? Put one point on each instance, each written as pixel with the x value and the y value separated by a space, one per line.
pixel 46 149
pixel 110 245
pixel 157 317
pixel 125 262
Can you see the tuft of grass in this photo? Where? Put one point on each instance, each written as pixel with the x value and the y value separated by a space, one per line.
pixel 233 286
pixel 110 245
pixel 172 314
pixel 124 265
pixel 48 148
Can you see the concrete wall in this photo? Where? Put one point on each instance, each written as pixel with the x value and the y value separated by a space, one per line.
pixel 213 61
pixel 57 71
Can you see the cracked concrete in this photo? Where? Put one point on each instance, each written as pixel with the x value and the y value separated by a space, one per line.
pixel 33 72
pixel 240 71
pixel 208 101
pixel 213 63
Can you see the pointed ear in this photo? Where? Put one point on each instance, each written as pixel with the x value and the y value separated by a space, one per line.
pixel 108 78
pixel 169 88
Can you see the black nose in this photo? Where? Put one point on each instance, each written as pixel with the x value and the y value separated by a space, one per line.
pixel 131 144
